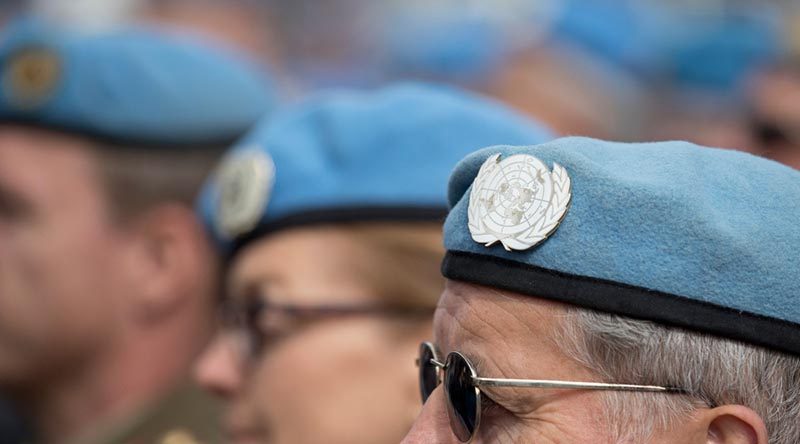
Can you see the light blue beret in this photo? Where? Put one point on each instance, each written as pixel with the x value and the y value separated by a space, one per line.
pixel 464 50
pixel 133 85
pixel 659 42
pixel 722 53
pixel 693 237
pixel 628 34
pixel 354 156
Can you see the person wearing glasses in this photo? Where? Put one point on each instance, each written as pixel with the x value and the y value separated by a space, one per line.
pixel 329 216
pixel 605 293
pixel 774 117
pixel 107 280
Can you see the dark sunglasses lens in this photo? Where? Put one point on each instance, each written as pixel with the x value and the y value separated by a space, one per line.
pixel 428 372
pixel 462 397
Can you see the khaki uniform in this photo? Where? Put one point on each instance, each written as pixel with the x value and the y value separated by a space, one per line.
pixel 188 415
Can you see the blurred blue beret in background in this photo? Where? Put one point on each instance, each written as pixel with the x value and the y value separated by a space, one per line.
pixel 462 42
pixel 133 85
pixel 354 156
pixel 464 50
pixel 712 51
pixel 699 238
pixel 623 33
pixel 720 54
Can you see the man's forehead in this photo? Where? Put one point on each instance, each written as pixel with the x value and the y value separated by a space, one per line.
pixel 33 144
pixel 469 312
pixel 504 333
pixel 34 161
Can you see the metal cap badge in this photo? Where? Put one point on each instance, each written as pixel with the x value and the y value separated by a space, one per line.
pixel 245 183
pixel 31 76
pixel 517 201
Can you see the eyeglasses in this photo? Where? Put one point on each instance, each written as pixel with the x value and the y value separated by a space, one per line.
pixel 254 323
pixel 462 387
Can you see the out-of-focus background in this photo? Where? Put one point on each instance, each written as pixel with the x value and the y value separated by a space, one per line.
pixel 723 73
pixel 718 72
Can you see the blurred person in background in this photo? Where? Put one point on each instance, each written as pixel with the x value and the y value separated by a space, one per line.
pixel 644 69
pixel 515 51
pixel 775 113
pixel 107 281
pixel 708 76
pixel 335 43
pixel 329 216
pixel 244 24
pixel 619 69
pixel 12 429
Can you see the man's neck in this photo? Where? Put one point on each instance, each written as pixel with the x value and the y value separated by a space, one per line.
pixel 135 375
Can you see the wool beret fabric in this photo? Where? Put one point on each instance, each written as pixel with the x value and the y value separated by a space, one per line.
pixel 699 238
pixel 357 156
pixel 134 85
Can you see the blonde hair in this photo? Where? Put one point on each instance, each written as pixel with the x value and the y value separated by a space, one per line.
pixel 401 261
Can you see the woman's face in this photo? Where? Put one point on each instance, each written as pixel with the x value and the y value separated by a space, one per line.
pixel 332 379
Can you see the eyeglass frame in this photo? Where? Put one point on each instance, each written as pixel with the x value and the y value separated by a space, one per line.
pixel 478 382
pixel 237 317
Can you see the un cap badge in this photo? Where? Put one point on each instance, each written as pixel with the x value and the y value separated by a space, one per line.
pixel 245 183
pixel 30 77
pixel 517 201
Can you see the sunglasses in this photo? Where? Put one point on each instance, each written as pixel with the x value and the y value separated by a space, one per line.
pixel 462 387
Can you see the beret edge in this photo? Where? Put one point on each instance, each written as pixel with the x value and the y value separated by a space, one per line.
pixel 624 300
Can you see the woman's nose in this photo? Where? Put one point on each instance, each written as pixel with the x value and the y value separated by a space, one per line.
pixel 218 369
pixel 432 425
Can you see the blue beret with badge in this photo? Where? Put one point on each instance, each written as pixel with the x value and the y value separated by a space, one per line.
pixel 691 237
pixel 133 85
pixel 354 156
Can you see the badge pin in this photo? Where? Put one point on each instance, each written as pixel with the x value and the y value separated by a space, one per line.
pixel 517 201
pixel 31 76
pixel 245 183
pixel 178 436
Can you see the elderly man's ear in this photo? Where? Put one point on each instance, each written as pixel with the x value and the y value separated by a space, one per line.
pixel 735 424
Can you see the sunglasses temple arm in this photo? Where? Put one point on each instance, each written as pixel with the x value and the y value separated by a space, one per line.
pixel 437 363
pixel 536 383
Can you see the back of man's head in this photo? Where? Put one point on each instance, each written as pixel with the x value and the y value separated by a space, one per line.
pixel 107 279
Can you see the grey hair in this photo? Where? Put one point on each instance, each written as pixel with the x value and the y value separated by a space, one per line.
pixel 714 371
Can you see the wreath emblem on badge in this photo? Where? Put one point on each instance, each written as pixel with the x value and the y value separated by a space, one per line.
pixel 245 182
pixel 517 201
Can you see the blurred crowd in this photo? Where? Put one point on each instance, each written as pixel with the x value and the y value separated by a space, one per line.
pixel 718 73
